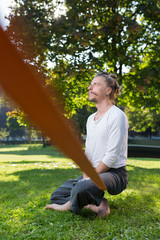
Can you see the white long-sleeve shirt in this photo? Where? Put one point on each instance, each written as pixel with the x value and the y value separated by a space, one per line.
pixel 107 138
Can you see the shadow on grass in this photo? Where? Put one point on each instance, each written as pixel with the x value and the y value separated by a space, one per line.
pixel 39 178
pixel 34 183
pixel 36 180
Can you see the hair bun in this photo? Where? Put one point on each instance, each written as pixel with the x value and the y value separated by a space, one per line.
pixel 114 76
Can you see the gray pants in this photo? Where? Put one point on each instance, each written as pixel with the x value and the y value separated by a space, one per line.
pixel 82 192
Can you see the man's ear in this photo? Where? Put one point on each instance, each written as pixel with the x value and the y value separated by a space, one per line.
pixel 108 91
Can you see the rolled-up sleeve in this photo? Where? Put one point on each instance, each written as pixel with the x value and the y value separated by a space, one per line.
pixel 117 141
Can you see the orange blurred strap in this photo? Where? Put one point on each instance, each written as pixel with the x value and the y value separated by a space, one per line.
pixel 22 85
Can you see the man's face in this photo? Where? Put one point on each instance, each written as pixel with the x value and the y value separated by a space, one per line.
pixel 97 90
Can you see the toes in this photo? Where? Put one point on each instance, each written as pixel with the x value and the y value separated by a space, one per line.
pixel 49 207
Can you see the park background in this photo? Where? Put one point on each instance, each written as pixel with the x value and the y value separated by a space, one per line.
pixel 67 42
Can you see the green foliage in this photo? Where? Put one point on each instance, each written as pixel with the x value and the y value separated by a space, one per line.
pixel 30 28
pixel 91 36
pixel 81 117
pixel 97 33
pixel 141 95
pixel 12 121
pixel 4 133
pixel 16 119
pixel 10 125
pixel 72 87
pixel 31 173
pixel 141 119
pixel 3 116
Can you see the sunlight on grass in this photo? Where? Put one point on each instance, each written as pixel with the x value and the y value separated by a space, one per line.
pixel 144 163
pixel 9 178
pixel 13 148
pixel 30 173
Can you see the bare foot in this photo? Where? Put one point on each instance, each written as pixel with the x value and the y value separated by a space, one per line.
pixel 102 210
pixel 64 207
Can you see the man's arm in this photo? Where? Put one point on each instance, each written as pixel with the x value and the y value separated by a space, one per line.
pixel 101 168
pixel 85 175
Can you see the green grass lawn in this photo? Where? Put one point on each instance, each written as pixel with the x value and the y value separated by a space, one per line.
pixel 30 173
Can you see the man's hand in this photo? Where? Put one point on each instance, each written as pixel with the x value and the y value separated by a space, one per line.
pixel 85 175
pixel 99 169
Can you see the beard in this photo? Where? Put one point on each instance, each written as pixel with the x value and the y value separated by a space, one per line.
pixel 92 98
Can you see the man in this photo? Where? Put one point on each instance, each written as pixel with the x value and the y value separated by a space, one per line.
pixel 106 148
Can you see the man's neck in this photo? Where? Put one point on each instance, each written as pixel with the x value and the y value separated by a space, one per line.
pixel 103 107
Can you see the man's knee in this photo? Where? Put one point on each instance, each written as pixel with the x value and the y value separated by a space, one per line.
pixel 80 187
pixel 83 193
pixel 86 187
pixel 79 196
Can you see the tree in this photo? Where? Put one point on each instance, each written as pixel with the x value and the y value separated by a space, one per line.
pixel 92 35
pixel 3 116
pixel 14 127
pixel 12 122
pixel 4 133
pixel 81 117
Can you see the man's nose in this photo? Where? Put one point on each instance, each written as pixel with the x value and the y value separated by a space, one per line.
pixel 90 87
